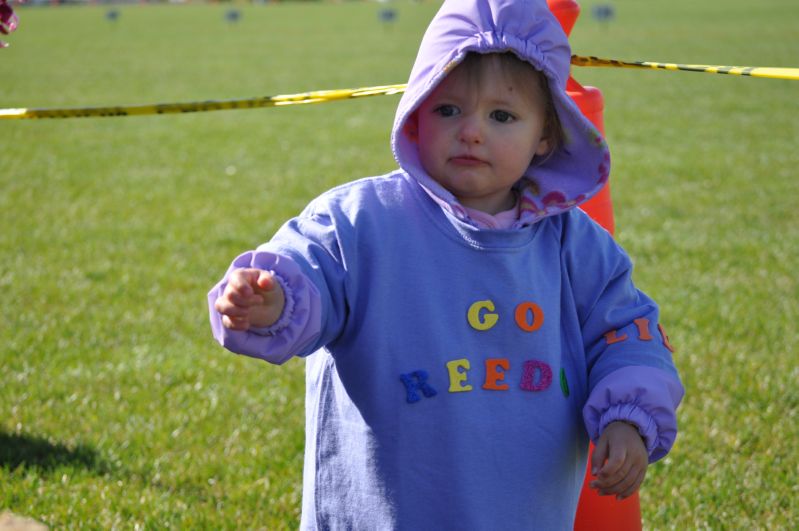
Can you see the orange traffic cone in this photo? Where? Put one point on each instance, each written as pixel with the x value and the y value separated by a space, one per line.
pixel 591 103
pixel 595 512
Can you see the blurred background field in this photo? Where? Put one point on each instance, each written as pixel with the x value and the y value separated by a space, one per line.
pixel 116 407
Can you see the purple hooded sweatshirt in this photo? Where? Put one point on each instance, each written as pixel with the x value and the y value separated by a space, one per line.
pixel 454 375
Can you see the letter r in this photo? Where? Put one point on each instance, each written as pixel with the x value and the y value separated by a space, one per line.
pixel 414 382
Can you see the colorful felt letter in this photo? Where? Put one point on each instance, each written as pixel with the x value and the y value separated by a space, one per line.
pixel 487 320
pixel 457 377
pixel 525 308
pixel 414 382
pixel 643 329
pixel 494 375
pixel 529 370
pixel 611 337
pixel 665 338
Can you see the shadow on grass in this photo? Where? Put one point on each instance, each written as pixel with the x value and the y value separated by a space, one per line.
pixel 30 451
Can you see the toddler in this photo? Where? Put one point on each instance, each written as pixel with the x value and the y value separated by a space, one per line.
pixel 466 328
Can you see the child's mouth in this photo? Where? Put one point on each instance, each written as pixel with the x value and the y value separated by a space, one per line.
pixel 467 160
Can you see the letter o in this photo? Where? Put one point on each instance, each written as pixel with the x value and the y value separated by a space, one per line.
pixel 521 316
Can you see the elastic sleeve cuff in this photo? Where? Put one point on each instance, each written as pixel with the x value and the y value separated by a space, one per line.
pixel 288 309
pixel 643 422
pixel 299 325
pixel 645 396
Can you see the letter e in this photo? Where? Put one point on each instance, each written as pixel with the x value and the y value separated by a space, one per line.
pixel 457 378
pixel 493 375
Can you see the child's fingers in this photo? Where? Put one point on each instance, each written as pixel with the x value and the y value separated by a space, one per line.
pixel 247 281
pixel 615 483
pixel 635 484
pixel 618 482
pixel 235 323
pixel 244 301
pixel 599 455
pixel 625 459
pixel 616 466
pixel 241 281
pixel 614 471
pixel 226 306
pixel 265 281
pixel 242 286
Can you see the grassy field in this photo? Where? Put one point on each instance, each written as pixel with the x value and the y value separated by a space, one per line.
pixel 116 407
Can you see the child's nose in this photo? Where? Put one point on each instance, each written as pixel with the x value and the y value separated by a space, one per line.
pixel 471 131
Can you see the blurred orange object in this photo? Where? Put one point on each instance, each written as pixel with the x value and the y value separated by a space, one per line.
pixel 595 512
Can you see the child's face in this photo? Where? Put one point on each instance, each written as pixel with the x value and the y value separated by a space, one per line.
pixel 477 137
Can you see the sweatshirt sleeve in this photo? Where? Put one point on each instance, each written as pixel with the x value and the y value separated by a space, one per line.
pixel 644 396
pixel 631 373
pixel 306 258
pixel 298 325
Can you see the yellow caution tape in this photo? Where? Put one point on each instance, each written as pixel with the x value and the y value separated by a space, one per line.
pixel 321 96
pixel 202 106
pixel 753 71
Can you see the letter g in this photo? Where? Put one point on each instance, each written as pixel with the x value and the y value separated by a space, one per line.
pixel 488 318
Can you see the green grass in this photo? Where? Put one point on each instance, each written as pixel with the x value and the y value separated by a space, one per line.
pixel 116 407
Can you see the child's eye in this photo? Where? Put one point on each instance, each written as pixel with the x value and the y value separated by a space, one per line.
pixel 502 116
pixel 446 110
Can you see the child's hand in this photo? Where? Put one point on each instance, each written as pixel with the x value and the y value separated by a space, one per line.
pixel 252 298
pixel 619 461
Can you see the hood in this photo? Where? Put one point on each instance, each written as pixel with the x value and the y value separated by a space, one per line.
pixel 565 178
